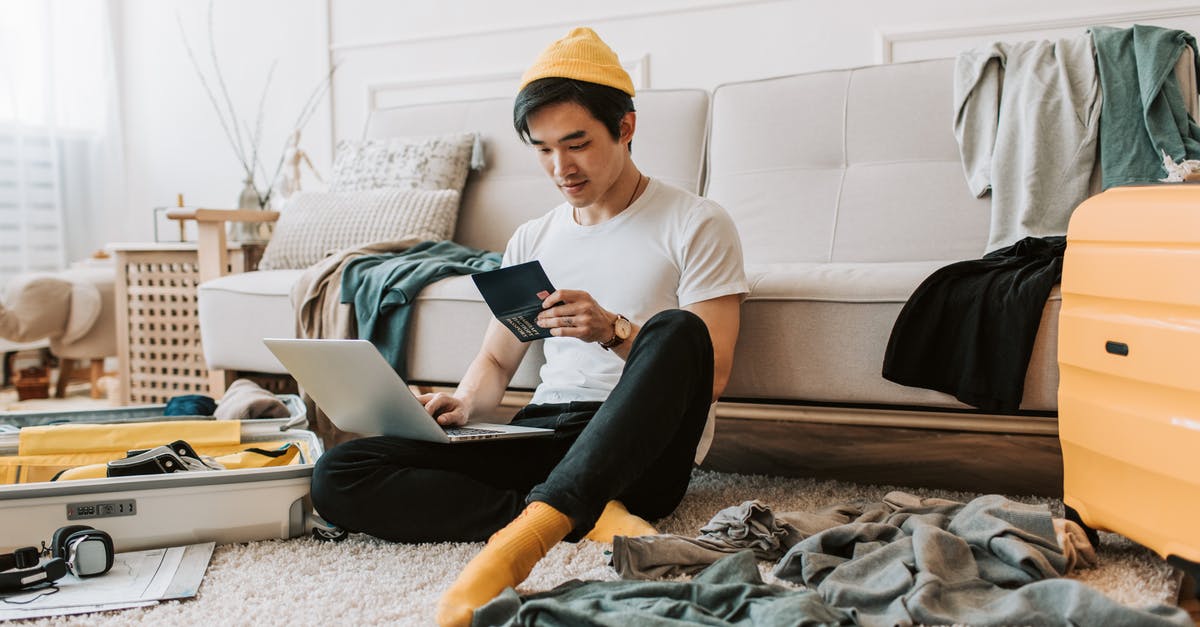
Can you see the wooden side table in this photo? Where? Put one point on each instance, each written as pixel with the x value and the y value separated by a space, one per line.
pixel 158 327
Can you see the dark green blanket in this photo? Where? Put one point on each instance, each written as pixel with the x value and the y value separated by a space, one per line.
pixel 384 287
pixel 1143 113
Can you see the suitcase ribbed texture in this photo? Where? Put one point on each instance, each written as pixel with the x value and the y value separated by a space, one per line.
pixel 1129 362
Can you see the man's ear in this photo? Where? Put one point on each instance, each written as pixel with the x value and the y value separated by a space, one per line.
pixel 628 125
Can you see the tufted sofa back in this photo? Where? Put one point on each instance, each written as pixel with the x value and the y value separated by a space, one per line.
pixel 853 165
pixel 512 188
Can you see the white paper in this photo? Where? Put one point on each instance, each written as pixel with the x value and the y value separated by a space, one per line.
pixel 69 611
pixel 136 579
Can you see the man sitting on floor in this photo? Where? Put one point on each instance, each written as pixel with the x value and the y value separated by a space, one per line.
pixel 642 345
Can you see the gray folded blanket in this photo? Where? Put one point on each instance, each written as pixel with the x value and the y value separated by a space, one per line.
pixel 245 399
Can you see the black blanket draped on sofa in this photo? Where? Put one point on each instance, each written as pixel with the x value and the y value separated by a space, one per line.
pixel 968 329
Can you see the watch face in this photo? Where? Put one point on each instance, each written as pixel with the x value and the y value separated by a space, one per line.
pixel 622 327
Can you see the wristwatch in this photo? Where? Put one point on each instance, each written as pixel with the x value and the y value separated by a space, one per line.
pixel 622 328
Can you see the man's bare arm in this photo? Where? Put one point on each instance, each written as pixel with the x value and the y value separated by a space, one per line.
pixel 723 316
pixel 482 387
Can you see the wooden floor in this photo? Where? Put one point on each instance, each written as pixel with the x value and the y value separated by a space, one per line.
pixel 976 462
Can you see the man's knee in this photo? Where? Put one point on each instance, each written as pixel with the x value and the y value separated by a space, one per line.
pixel 679 323
pixel 333 480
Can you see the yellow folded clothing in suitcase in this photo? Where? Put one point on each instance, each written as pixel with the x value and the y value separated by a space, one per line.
pixel 1129 366
pixel 80 451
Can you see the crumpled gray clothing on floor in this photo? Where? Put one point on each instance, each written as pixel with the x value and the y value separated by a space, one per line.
pixel 910 560
pixel 752 525
pixel 749 526
pixel 731 592
pixel 991 561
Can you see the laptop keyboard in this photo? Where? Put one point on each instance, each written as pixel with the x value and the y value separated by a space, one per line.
pixel 457 431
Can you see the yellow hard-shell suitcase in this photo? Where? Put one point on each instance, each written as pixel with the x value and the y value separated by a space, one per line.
pixel 1129 365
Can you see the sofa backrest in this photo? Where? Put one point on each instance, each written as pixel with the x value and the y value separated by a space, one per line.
pixel 512 188
pixel 850 165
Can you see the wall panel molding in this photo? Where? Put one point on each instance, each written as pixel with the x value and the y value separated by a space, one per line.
pixel 889 39
pixel 385 94
pixel 692 6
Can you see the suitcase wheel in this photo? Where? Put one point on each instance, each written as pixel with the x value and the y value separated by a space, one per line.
pixel 1191 583
pixel 1092 536
pixel 330 534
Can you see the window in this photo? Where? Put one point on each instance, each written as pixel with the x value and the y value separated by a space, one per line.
pixel 58 130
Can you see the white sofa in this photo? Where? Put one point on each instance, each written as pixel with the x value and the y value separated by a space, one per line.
pixel 846 188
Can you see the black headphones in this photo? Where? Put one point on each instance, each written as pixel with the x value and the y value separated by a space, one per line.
pixel 78 549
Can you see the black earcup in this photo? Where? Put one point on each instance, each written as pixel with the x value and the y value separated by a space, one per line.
pixel 45 573
pixel 58 543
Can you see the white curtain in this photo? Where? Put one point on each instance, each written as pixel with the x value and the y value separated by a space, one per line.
pixel 62 176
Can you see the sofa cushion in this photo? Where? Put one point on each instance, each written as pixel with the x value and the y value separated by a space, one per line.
pixel 818 332
pixel 428 162
pixel 512 188
pixel 853 165
pixel 238 310
pixel 259 302
pixel 315 224
pixel 838 282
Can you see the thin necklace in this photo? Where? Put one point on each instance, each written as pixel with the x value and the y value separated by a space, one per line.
pixel 575 210
pixel 635 191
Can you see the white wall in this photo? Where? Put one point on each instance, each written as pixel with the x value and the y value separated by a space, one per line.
pixel 391 53
pixel 174 143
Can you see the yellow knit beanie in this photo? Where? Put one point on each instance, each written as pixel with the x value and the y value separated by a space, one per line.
pixel 580 55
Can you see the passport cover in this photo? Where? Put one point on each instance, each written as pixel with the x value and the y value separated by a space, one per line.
pixel 515 296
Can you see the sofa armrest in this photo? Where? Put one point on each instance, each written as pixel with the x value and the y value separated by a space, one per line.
pixel 212 254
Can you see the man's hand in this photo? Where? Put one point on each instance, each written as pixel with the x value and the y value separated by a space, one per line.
pixel 450 411
pixel 574 313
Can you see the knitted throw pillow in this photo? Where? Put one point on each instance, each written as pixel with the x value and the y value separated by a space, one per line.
pixel 315 224
pixel 439 162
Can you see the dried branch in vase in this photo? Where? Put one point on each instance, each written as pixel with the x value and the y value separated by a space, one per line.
pixel 237 131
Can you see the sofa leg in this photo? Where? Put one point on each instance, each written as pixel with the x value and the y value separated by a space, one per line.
pixel 97 371
pixel 66 368
pixel 9 359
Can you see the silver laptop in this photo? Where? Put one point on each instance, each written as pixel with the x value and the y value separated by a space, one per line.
pixel 360 392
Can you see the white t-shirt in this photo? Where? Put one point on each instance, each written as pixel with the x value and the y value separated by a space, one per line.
pixel 667 250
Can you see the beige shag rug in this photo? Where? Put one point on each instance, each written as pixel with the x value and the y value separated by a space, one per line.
pixel 364 581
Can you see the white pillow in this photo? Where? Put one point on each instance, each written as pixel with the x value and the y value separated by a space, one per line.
pixel 315 224
pixel 437 162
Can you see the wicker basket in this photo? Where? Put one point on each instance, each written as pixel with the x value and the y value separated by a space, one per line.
pixel 32 382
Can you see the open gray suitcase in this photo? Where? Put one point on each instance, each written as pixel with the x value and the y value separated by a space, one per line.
pixel 164 510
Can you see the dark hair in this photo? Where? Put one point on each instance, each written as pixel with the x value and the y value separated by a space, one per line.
pixel 607 104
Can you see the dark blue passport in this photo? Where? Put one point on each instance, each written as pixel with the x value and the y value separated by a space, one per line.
pixel 515 296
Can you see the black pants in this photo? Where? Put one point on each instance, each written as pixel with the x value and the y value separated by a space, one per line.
pixel 638 447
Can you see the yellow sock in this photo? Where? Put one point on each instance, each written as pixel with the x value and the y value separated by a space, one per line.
pixel 615 520
pixel 505 561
